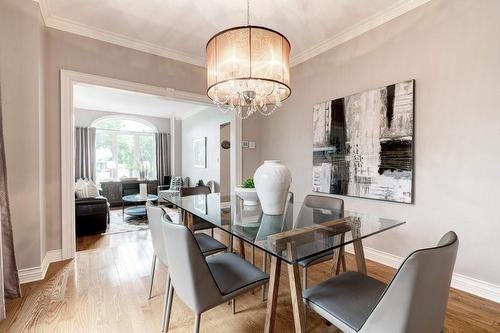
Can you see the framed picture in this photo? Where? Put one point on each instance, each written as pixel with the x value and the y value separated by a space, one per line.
pixel 363 144
pixel 200 152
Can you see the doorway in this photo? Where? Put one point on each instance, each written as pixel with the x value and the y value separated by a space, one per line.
pixel 69 79
pixel 225 161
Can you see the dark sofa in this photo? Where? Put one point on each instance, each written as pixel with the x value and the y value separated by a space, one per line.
pixel 91 215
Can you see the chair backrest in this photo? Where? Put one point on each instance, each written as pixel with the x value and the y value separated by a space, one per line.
pixel 321 201
pixel 190 274
pixel 415 300
pixel 307 216
pixel 156 228
pixel 213 186
pixel 186 191
pixel 129 188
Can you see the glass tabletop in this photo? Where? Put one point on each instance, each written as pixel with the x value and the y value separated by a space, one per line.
pixel 312 232
pixel 139 198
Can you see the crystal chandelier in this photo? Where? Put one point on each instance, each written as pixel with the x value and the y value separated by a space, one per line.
pixel 248 69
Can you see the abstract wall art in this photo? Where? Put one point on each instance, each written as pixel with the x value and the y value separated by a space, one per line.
pixel 200 152
pixel 363 144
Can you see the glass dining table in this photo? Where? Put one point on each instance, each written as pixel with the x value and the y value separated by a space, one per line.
pixel 288 238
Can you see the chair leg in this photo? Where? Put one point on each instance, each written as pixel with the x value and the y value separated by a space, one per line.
pixel 153 266
pixel 169 295
pixel 197 318
pixel 212 232
pixel 304 278
pixel 233 305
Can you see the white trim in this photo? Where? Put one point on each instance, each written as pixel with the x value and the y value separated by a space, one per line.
pixel 38 273
pixel 358 29
pixel 135 118
pixel 461 282
pixel 398 9
pixel 235 152
pixel 68 80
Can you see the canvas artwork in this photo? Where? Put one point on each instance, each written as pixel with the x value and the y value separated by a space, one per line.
pixel 363 144
pixel 200 152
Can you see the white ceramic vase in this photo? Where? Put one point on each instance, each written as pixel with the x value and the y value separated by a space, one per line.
pixel 272 181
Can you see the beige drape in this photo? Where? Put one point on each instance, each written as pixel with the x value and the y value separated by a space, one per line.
pixel 11 287
pixel 162 156
pixel 85 153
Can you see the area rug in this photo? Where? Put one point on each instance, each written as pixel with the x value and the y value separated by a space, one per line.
pixel 117 224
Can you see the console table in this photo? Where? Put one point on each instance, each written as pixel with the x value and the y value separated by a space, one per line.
pixel 113 190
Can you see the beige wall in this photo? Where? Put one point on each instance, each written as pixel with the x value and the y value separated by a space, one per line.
pixel 452 50
pixel 21 39
pixel 203 124
pixel 251 131
pixel 81 54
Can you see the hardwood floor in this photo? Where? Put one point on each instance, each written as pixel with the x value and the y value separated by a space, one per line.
pixel 105 290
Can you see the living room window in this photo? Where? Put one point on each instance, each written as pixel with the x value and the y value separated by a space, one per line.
pixel 125 148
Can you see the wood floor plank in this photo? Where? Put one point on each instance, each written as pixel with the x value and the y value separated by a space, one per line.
pixel 105 289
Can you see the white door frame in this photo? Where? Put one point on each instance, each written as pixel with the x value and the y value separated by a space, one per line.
pixel 68 80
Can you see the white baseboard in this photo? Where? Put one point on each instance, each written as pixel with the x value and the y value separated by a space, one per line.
pixel 461 282
pixel 38 273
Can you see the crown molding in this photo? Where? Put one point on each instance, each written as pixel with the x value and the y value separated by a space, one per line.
pixel 118 39
pixel 356 30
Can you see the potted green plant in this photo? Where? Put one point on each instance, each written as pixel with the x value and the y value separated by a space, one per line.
pixel 246 191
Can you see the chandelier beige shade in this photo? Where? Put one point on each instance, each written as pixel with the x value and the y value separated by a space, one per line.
pixel 248 64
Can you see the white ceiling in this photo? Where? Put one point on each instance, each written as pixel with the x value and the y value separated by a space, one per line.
pixel 100 98
pixel 179 29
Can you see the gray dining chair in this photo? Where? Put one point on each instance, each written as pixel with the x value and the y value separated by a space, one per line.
pixel 413 302
pixel 321 202
pixel 208 245
pixel 203 283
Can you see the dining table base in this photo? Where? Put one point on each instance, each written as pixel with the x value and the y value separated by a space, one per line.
pixel 298 307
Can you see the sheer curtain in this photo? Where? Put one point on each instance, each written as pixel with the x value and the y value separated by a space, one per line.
pixel 9 277
pixel 162 156
pixel 85 153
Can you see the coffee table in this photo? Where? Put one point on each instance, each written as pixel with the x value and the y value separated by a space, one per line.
pixel 139 210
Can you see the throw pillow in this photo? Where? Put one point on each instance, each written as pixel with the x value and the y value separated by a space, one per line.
pixel 176 183
pixel 81 189
pixel 92 191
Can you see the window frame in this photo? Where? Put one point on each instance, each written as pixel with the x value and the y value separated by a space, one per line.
pixel 136 143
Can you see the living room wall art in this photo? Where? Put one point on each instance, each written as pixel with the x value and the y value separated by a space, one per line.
pixel 363 144
pixel 200 152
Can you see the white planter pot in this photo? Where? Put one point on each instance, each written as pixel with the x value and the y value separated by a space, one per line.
pixel 248 195
pixel 272 181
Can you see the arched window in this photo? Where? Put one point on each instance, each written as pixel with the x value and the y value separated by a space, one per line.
pixel 125 148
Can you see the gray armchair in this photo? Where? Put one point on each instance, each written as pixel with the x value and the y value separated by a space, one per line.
pixel 413 302
pixel 204 283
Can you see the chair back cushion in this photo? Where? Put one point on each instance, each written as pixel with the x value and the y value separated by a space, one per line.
pixel 156 229
pixel 190 274
pixel 323 208
pixel 415 300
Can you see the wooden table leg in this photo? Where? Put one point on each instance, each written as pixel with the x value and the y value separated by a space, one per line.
pixel 272 296
pixel 296 294
pixel 358 251
pixel 241 248
pixel 188 220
